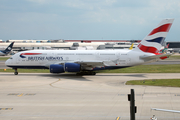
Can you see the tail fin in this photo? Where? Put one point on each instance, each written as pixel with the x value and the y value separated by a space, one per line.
pixel 131 46
pixel 8 49
pixel 153 41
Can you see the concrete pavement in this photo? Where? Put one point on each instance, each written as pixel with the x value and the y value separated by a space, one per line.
pixel 68 97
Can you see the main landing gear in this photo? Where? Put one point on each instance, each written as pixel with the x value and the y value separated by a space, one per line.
pixel 86 73
pixel 15 72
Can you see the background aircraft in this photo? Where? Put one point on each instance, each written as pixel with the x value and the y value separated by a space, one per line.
pixel 165 110
pixel 7 50
pixel 87 61
pixel 131 47
pixel 165 49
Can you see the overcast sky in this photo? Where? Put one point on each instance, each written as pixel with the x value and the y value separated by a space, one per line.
pixel 86 19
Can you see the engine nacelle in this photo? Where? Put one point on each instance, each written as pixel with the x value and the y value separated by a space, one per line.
pixel 72 67
pixel 55 68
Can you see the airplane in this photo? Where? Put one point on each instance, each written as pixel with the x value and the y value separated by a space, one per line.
pixel 86 62
pixel 165 110
pixel 165 49
pixel 131 46
pixel 7 50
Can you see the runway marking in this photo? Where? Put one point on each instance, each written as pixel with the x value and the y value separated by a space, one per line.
pixel 30 94
pixel 54 82
pixel 20 95
pixel 6 108
pixel 118 118
pixel 177 95
pixel 13 94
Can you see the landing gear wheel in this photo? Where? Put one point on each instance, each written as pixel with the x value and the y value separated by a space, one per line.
pixel 93 73
pixel 15 73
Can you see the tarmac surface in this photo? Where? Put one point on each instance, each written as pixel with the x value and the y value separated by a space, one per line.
pixel 38 96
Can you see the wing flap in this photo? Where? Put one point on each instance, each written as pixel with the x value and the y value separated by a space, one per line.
pixel 90 63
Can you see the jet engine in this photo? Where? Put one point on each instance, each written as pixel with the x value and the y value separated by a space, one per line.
pixel 72 67
pixel 55 68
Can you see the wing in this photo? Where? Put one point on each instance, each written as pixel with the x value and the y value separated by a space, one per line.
pixel 165 110
pixel 89 65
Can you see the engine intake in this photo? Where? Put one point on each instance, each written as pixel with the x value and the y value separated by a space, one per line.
pixel 72 67
pixel 55 68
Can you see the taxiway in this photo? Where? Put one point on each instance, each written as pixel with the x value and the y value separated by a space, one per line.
pixel 69 97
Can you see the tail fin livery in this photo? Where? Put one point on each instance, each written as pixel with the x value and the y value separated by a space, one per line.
pixel 8 49
pixel 153 41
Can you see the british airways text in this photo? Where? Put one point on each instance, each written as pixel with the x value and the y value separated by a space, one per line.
pixel 45 58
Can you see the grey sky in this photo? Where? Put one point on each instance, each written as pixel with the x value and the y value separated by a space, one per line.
pixel 86 19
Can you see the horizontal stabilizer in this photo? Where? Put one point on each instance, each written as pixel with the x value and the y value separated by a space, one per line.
pixel 161 56
pixel 165 110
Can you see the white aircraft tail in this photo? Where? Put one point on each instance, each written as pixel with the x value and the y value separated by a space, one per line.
pixel 152 43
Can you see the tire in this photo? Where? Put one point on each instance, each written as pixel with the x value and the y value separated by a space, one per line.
pixel 15 73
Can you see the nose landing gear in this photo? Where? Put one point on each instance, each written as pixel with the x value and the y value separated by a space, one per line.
pixel 15 72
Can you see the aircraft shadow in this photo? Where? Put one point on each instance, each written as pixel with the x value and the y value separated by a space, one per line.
pixel 72 76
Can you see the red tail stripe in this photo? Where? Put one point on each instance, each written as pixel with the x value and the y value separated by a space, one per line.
pixel 163 28
pixel 148 49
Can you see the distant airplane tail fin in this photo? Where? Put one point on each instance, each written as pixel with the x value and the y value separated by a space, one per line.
pixel 152 43
pixel 165 49
pixel 8 49
pixel 131 47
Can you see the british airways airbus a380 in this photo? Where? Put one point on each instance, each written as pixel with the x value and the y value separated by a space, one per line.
pixel 87 61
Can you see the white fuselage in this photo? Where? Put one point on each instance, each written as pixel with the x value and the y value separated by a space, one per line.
pixel 44 58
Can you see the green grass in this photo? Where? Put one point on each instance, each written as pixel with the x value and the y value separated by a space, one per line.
pixel 157 82
pixel 4 58
pixel 173 57
pixel 146 69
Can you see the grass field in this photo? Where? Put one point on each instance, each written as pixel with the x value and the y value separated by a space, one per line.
pixel 147 69
pixel 158 82
pixel 3 58
pixel 173 57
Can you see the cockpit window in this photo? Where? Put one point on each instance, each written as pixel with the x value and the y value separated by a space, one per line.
pixel 10 58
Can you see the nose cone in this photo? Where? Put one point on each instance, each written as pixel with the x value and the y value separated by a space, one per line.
pixel 7 62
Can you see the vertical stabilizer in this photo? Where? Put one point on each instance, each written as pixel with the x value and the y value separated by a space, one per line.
pixel 131 46
pixel 8 49
pixel 153 41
